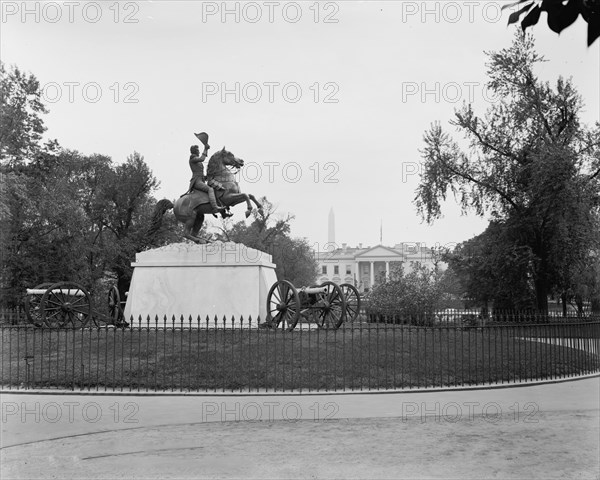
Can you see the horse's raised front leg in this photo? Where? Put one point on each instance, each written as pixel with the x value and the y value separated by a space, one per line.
pixel 256 202
pixel 231 199
pixel 248 205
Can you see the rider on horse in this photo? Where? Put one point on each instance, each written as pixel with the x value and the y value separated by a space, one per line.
pixel 190 208
pixel 198 179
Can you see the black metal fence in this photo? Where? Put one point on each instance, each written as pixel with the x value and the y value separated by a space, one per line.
pixel 235 355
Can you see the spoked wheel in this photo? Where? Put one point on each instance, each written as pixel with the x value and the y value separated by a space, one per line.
pixel 31 303
pixel 66 304
pixel 352 297
pixel 283 305
pixel 115 311
pixel 331 307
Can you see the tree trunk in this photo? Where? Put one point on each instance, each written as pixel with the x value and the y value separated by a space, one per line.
pixel 595 305
pixel 541 292
pixel 541 278
pixel 563 298
pixel 579 303
pixel 123 281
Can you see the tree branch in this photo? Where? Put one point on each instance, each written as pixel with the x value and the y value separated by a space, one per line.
pixel 472 179
pixel 537 103
pixel 481 140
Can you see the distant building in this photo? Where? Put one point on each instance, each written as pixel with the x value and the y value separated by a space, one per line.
pixel 364 267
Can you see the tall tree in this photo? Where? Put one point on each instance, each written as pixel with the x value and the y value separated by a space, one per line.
pixel 21 107
pixel 56 202
pixel 46 224
pixel 493 268
pixel 530 164
pixel 66 202
pixel 21 127
pixel 127 213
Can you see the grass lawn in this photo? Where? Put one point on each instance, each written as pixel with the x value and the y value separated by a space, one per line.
pixel 360 356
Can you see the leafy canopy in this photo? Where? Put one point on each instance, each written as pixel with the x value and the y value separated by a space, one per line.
pixel 529 163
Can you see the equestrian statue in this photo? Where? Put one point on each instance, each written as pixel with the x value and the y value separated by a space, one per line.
pixel 212 193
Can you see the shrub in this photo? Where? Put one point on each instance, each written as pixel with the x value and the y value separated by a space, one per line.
pixel 406 298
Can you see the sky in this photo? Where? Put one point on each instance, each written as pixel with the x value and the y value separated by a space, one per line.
pixel 326 102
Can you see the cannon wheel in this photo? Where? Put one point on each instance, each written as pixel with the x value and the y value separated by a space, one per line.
pixel 66 304
pixel 283 305
pixel 333 313
pixel 352 297
pixel 115 311
pixel 31 303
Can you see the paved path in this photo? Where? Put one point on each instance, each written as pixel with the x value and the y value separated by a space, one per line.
pixel 537 431
pixel 585 344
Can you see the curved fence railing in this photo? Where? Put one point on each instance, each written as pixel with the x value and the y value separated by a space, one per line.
pixel 212 355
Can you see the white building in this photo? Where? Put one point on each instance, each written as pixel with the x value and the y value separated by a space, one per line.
pixel 364 267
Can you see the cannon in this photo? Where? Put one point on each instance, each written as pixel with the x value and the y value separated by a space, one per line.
pixel 327 305
pixel 68 304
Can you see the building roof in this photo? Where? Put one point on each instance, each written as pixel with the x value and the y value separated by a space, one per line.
pixel 402 251
pixel 379 251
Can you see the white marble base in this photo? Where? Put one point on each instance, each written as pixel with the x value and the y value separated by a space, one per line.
pixel 218 279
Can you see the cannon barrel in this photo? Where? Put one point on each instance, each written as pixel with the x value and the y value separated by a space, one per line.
pixel 70 291
pixel 313 290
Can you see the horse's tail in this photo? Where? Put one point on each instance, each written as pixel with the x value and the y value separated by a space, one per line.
pixel 160 209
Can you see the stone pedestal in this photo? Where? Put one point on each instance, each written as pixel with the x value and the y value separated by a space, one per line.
pixel 222 279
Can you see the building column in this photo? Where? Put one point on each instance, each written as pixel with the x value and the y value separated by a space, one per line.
pixel 387 270
pixel 356 273
pixel 372 272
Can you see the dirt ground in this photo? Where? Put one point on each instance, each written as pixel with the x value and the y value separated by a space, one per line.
pixel 450 437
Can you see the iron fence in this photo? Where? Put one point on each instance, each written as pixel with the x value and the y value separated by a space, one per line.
pixel 204 355
pixel 12 316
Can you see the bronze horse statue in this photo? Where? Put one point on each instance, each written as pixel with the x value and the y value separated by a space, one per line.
pixel 191 207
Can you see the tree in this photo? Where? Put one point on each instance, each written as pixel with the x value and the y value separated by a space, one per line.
pixel 21 125
pixel 574 249
pixel 46 223
pixel 293 257
pixel 493 268
pixel 451 285
pixel 295 261
pixel 579 278
pixel 587 288
pixel 65 215
pixel 561 14
pixel 530 164
pixel 127 210
pixel 63 203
